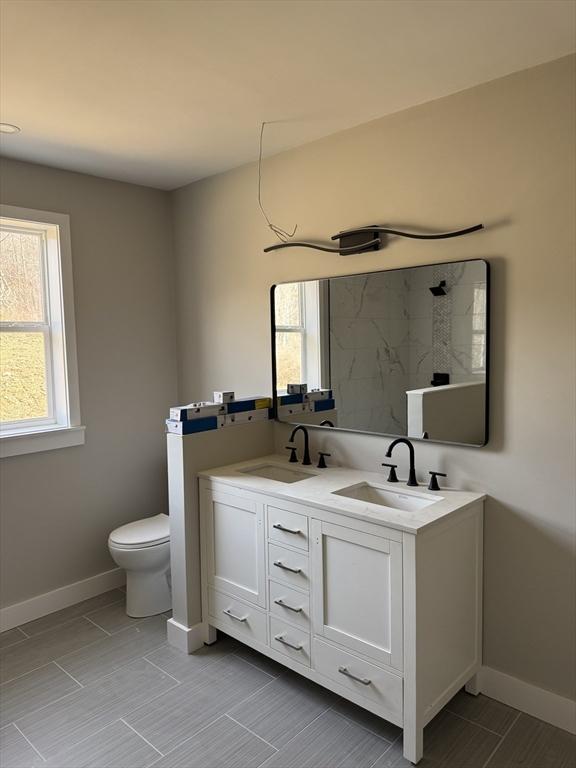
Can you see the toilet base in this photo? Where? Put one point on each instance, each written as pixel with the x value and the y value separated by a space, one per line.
pixel 147 594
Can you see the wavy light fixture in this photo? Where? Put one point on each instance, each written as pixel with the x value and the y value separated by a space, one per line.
pixel 351 241
pixel 369 238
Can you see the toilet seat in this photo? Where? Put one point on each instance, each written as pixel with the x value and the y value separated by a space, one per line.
pixel 149 532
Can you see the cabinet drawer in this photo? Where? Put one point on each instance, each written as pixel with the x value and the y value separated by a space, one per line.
pixel 243 619
pixel 287 603
pixel 375 683
pixel 287 527
pixel 290 641
pixel 289 567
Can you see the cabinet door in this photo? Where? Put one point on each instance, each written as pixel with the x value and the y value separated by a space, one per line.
pixel 234 545
pixel 357 591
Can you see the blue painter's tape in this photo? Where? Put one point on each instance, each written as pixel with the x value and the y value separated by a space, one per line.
pixel 237 406
pixel 324 405
pixel 191 426
pixel 290 399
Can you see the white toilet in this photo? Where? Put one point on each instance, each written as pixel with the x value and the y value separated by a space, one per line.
pixel 142 548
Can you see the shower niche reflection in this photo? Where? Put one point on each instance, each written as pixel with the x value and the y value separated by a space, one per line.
pixel 400 352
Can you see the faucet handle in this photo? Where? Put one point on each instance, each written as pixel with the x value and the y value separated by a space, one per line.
pixel 293 457
pixel 433 484
pixel 392 477
pixel 321 461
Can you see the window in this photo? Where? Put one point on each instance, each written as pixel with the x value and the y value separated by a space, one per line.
pixel 39 405
pixel 298 320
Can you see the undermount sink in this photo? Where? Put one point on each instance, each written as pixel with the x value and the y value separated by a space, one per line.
pixel 375 494
pixel 280 474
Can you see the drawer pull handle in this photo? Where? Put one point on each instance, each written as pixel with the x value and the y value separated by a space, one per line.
pixel 228 612
pixel 280 527
pixel 280 564
pixel 282 639
pixel 346 671
pixel 285 605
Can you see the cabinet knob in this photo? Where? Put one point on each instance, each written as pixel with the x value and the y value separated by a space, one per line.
pixel 282 639
pixel 346 671
pixel 228 612
pixel 280 527
pixel 280 564
pixel 281 602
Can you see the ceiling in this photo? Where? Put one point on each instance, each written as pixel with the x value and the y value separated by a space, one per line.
pixel 164 92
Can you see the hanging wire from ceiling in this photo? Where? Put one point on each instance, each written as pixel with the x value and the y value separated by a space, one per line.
pixel 282 234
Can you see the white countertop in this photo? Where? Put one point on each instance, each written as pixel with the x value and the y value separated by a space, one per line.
pixel 318 491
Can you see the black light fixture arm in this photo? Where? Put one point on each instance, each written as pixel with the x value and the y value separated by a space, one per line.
pixel 414 235
pixel 352 249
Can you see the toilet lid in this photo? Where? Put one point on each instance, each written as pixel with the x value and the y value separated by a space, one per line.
pixel 143 533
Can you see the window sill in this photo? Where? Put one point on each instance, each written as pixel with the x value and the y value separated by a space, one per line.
pixel 45 440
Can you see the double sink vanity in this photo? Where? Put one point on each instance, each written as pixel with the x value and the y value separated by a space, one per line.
pixel 370 588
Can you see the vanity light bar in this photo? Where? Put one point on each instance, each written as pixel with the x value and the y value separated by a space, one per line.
pixel 352 240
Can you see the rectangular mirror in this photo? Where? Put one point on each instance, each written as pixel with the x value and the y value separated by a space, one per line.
pixel 400 352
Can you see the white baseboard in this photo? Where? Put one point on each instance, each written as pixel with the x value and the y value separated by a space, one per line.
pixel 36 607
pixel 187 639
pixel 538 702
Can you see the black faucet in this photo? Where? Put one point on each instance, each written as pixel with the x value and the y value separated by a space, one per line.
pixel 326 423
pixel 412 474
pixel 306 459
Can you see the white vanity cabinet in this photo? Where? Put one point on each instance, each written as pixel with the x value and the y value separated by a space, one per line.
pixel 232 532
pixel 358 599
pixel 387 618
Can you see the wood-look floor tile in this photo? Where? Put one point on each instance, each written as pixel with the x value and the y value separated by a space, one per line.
pixel 484 711
pixel 10 637
pixel 366 719
pixel 172 718
pixel 68 721
pixel 113 618
pixel 58 618
pixel 456 743
pixel 24 695
pixel 282 709
pixel 532 743
pixel 267 665
pixel 330 740
pixel 23 657
pixel 394 758
pixel 114 651
pixel 15 752
pixel 184 666
pixel 224 744
pixel 116 746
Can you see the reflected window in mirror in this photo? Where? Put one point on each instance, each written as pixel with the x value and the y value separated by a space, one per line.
pixel 300 320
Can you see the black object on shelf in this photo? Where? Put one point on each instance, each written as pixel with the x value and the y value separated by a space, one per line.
pixel 326 423
pixel 392 476
pixel 440 379
pixel 321 459
pixel 433 484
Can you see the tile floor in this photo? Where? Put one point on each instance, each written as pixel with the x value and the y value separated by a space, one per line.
pixel 89 687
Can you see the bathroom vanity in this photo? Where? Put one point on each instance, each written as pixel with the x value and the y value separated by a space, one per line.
pixel 369 588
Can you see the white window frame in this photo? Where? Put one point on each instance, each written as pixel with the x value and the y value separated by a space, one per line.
pixel 312 296
pixel 62 427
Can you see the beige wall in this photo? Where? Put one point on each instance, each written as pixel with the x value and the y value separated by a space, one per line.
pixel 57 507
pixel 501 153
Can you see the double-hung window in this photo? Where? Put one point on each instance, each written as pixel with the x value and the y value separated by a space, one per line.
pixel 39 401
pixel 300 353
